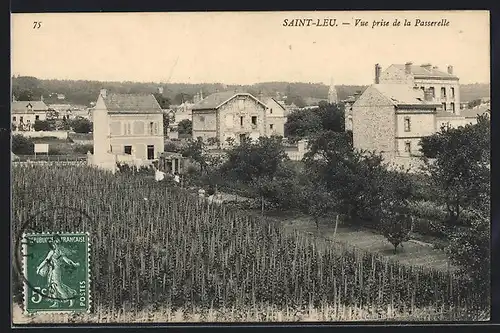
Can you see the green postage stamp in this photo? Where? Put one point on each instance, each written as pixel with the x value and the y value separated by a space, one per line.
pixel 57 272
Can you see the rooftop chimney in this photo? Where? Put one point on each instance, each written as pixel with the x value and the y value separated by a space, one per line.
pixel 408 67
pixel 41 98
pixel 201 94
pixel 103 93
pixel 160 90
pixel 450 70
pixel 378 69
pixel 428 95
pixel 427 66
pixel 13 98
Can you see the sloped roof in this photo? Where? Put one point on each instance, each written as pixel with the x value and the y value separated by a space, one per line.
pixel 214 100
pixel 473 113
pixel 267 99
pixel 419 71
pixel 401 94
pixel 22 106
pixel 131 103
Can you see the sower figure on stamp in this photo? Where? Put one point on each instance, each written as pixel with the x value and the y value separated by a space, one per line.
pixel 51 267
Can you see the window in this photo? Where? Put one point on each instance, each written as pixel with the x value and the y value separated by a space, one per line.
pixel 407 124
pixel 443 92
pixel 241 104
pixel 432 92
pixel 271 111
pixel 151 152
pixel 151 124
pixel 156 128
pixel 444 106
pixel 127 150
pixel 37 117
pixel 241 121
pixel 254 120
pixel 271 126
pixel 126 129
pixel 21 119
pixel 408 147
pixel 14 118
pixel 202 119
pixel 452 106
pixel 423 88
pixel 452 92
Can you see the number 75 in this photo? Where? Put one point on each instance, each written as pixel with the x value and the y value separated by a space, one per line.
pixel 37 25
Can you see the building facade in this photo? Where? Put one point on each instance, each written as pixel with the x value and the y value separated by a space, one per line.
pixel 230 116
pixel 25 113
pixel 392 119
pixel 275 116
pixel 127 124
pixel 444 86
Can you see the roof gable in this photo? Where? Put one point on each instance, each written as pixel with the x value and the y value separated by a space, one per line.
pixel 270 100
pixel 216 100
pixel 131 103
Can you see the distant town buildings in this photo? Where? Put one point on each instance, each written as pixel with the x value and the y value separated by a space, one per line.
pixel 25 113
pixel 232 115
pixel 444 86
pixel 127 128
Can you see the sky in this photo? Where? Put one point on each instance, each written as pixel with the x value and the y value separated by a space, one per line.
pixel 244 47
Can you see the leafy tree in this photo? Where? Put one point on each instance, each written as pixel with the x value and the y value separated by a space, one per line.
pixel 460 170
pixel 317 201
pixel 302 123
pixel 396 221
pixel 352 177
pixel 166 123
pixel 332 117
pixel 42 125
pixel 258 165
pixel 162 100
pixel 22 145
pixel 469 249
pixel 185 127
pixel 182 97
pixel 213 141
pixel 25 95
pixel 81 125
pixel 197 150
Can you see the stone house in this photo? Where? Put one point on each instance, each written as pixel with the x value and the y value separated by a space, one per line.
pixel 392 119
pixel 25 113
pixel 467 116
pixel 230 114
pixel 127 128
pixel 444 86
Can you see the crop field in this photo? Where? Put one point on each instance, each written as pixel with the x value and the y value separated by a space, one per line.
pixel 162 250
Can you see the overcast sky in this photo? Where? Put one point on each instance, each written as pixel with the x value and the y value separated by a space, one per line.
pixel 243 48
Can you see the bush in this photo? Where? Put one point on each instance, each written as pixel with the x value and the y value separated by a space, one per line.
pixel 427 210
pixel 54 151
pixel 172 147
pixel 83 149
pixel 81 125
pixel 41 125
pixel 22 145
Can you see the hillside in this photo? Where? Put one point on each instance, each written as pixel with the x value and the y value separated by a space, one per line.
pixel 84 92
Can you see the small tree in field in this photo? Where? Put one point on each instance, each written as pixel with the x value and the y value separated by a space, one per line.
pixel 396 222
pixel 197 150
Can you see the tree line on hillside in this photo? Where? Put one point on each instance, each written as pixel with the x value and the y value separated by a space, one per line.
pixel 357 186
